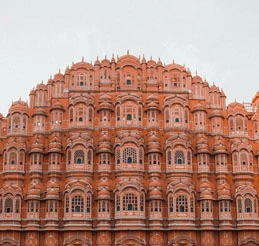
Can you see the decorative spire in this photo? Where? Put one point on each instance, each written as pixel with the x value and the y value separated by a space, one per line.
pixel 83 59
pixel 173 61
pixel 127 52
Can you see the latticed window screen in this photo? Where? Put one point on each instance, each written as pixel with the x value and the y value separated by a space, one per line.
pixel 79 157
pixel 1 205
pixel 129 155
pixel 8 205
pixel 239 205
pixel 171 204
pixel 179 157
pixel 189 157
pixel 239 123
pixel 243 158
pixel 169 157
pixel 118 157
pixel 118 202
pixel 130 202
pixel 88 204
pixel 17 206
pixel 248 205
pixel 77 204
pixel 181 204
pixel 191 204
pixel 89 156
pixel 142 202
pixel 67 204
pixel 12 158
pixel 69 157
pixel 141 156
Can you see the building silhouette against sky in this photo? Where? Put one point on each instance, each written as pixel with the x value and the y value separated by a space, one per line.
pixel 129 152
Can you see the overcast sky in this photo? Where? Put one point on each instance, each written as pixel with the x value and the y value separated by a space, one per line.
pixel 218 38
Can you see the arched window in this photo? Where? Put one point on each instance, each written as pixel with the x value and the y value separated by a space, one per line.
pixel 239 205
pixel 169 157
pixel 140 113
pixel 231 124
pixel 17 205
pixel 90 116
pixel 77 204
pixel 8 205
pixel 13 158
pixel 129 117
pixel 130 202
pixel 141 155
pixel 88 203
pixel 71 115
pixel 69 156
pixel 89 157
pixel 244 158
pixel 179 157
pixel 1 205
pixel 239 123
pixel 79 157
pixel 171 204
pixel 248 206
pixel 129 154
pixel 67 203
pixel 118 113
pixel 167 116
pixel 118 155
pixel 189 157
pixel 181 204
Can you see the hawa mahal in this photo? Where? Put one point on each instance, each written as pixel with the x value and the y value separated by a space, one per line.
pixel 129 152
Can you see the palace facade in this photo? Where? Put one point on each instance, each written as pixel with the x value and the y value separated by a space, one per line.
pixel 129 152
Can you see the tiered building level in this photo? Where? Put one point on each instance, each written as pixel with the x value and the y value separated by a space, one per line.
pixel 129 152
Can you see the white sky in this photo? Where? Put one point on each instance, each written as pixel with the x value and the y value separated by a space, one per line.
pixel 218 38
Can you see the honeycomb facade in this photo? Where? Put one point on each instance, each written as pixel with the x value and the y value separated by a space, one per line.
pixel 129 152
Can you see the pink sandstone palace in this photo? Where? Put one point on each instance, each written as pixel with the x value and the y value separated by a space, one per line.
pixel 129 152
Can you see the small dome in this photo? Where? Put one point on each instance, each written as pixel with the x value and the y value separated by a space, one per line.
pixel 104 194
pixel 155 193
pixel 50 81
pixel 196 78
pixel 220 147
pixel 58 77
pixel 105 63
pixel 216 113
pixel 40 111
pixel 37 146
pixel 55 145
pixel 33 192
pixel 143 60
pixel 52 193
pixel 159 63
pixel 206 194
pixel 112 60
pixel 236 108
pixel 224 191
pixel 19 106
pixel 97 62
pixel 151 63
pixel 199 107
pixel 58 105
pixel 155 183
